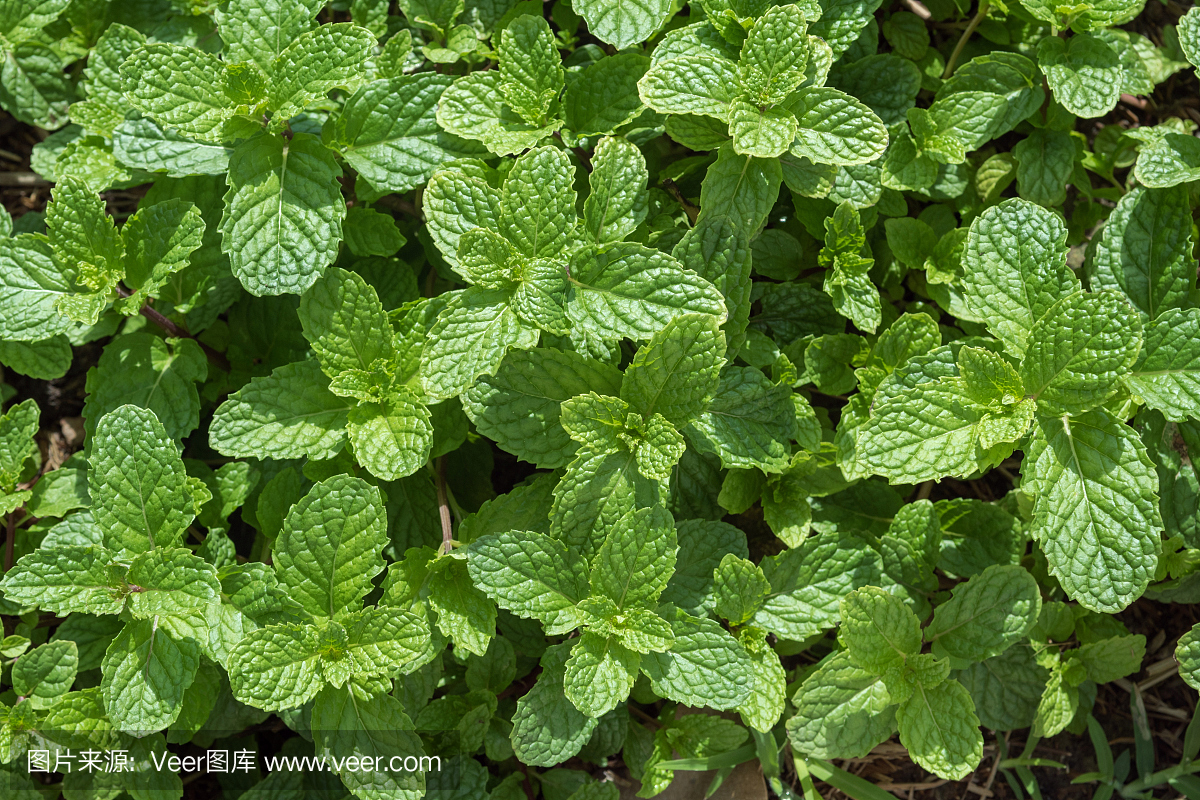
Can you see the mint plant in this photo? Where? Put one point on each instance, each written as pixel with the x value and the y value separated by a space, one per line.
pixel 593 393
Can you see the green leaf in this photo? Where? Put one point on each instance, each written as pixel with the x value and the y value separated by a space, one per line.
pixel 473 108
pixel 834 128
pixel 348 723
pixel 690 85
pixel 599 674
pixel 388 131
pixel 630 291
pixel 842 711
pixel 1144 251
pixel 1078 352
pixel 45 360
pixel 1187 653
pixel 180 88
pixel 85 240
pixel 532 575
pixel 739 588
pixel 636 560
pixel 316 62
pixel 66 579
pixel 618 200
pixel 137 482
pixel 142 144
pixel 986 615
pixel 345 323
pixel 33 87
pixel 371 233
pixel 1096 510
pixel 465 614
pixel 1112 658
pixel 774 55
pixel 171 582
pixel 146 671
pixel 1015 266
pixel 43 675
pixel 1166 375
pixel 705 667
pixel 276 668
pixel 1083 72
pixel 939 727
pixel 531 72
pixel 518 407
pixel 809 581
pixel 547 728
pixel 159 241
pixel 846 281
pixel 537 203
pixel 469 340
pixel 391 439
pixel 259 30
pixel 925 433
pixel 604 97
pixel 283 212
pixel 31 287
pixel 677 373
pixel 598 489
pixel 151 373
pixel 749 421
pixel 18 426
pixel 1006 689
pixel 1045 160
pixel 623 23
pixel 329 548
pixel 1189 36
pixel 756 131
pixel 289 414
pixel 878 630
pixel 1168 161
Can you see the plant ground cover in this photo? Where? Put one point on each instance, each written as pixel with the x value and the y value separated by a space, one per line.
pixel 610 398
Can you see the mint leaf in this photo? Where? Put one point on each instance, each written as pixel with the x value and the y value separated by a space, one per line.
pixel 705 667
pixel 283 213
pixel 618 200
pixel 139 490
pixel 146 671
pixel 328 550
pixel 986 615
pixel 941 731
pixel 842 711
pixel 623 23
pixel 288 414
pixel 834 128
pixel 677 372
pixel 1143 251
pixel 531 575
pixel 1078 351
pixel 1083 72
pixel 531 73
pixel 1096 492
pixel 1015 266
pixel 749 421
pixel 180 88
pixel 599 674
pixel 878 630
pixel 1166 374
pixel 547 728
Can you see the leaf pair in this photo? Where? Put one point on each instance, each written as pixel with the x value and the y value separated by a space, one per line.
pixel 773 99
pixel 882 680
pixel 362 386
pixel 129 561
pixel 325 558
